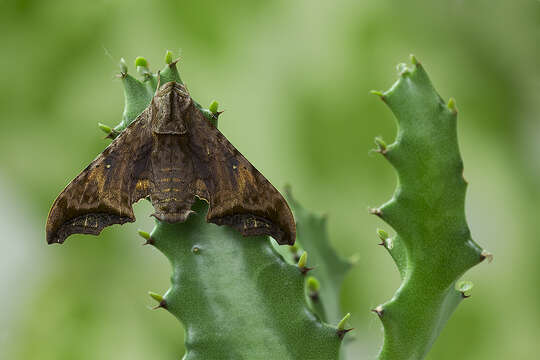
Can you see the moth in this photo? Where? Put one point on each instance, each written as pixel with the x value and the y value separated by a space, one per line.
pixel 171 154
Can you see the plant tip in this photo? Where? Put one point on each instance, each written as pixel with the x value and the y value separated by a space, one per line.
pixel 302 264
pixel 156 296
pixel 313 284
pixel 465 288
pixel 140 61
pixel 106 129
pixel 145 235
pixel 383 235
pixel 402 69
pixel 341 324
pixel 168 57
pixel 142 66
pixel 213 107
pixel 381 145
pixel 303 260
pixel 452 105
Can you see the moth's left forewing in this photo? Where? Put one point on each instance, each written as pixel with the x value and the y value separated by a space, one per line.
pixel 102 194
pixel 239 195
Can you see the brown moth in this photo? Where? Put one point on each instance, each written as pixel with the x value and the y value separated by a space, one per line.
pixel 171 153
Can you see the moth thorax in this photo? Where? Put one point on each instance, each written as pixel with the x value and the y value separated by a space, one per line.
pixel 171 111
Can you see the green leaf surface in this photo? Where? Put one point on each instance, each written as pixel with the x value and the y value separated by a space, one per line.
pixel 328 267
pixel 237 297
pixel 433 247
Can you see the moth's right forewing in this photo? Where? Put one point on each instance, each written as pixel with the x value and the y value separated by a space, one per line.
pixel 239 195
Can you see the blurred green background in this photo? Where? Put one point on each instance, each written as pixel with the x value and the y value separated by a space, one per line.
pixel 293 77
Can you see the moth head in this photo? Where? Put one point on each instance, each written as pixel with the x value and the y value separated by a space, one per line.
pixel 170 109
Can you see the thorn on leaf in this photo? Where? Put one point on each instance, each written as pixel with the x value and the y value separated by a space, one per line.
pixel 341 333
pixel 123 67
pixel 486 255
pixel 375 211
pixel 379 311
